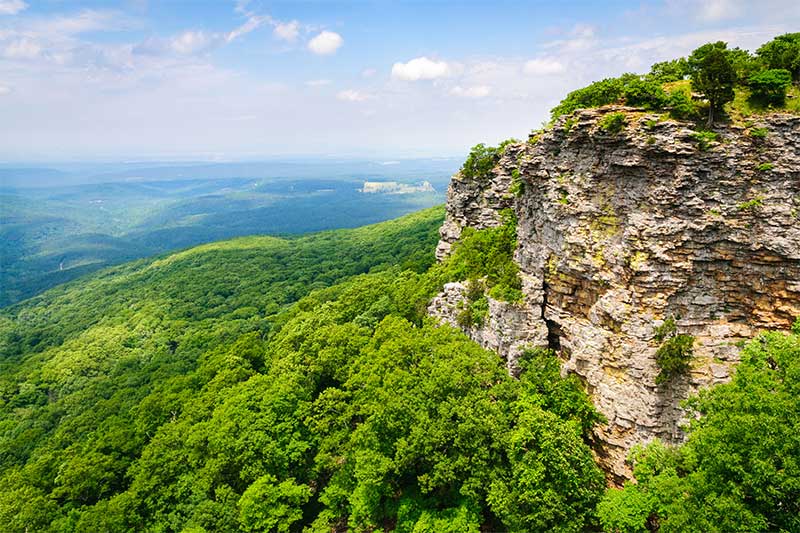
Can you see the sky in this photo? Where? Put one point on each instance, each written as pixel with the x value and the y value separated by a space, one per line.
pixel 228 80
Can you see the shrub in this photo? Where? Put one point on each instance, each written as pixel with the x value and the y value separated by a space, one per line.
pixel 631 88
pixel 613 122
pixel 480 162
pixel 764 167
pixel 759 133
pixel 770 85
pixel 668 71
pixel 783 52
pixel 704 139
pixel 517 187
pixel 487 255
pixel 474 312
pixel 644 92
pixel 673 357
pixel 674 353
pixel 751 205
pixel 681 106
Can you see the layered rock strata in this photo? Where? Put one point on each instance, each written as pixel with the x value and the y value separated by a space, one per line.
pixel 618 232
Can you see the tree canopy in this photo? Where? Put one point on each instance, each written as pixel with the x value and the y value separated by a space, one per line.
pixel 739 469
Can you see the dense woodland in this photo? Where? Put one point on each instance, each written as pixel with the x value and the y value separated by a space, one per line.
pixel 52 235
pixel 266 384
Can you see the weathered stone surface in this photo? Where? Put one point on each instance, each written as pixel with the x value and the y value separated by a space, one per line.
pixel 619 232
pixel 508 329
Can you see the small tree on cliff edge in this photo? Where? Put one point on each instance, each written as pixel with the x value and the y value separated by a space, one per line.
pixel 713 75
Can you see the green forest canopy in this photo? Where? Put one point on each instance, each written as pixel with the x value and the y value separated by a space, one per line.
pixel 263 384
pixel 189 393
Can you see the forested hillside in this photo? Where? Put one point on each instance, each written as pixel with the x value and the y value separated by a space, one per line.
pixel 182 394
pixel 268 384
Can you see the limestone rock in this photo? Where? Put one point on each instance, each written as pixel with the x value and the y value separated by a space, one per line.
pixel 616 233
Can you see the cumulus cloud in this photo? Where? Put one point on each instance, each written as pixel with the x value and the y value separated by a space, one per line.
pixel 420 68
pixel 325 43
pixel 12 7
pixel 351 95
pixel 543 67
pixel 287 31
pixel 477 91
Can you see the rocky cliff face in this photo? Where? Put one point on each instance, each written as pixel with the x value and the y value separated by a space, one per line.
pixel 618 232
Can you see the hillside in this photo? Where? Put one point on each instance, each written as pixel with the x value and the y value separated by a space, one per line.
pixel 598 332
pixel 182 394
pixel 52 235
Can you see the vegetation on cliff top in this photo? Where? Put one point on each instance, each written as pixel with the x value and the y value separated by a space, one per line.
pixel 731 81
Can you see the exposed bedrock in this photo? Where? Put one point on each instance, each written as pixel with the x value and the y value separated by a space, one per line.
pixel 618 232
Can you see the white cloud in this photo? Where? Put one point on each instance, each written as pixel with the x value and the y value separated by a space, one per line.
pixel 351 95
pixel 4 90
pixel 241 6
pixel 12 7
pixel 287 31
pixel 24 48
pixel 326 43
pixel 580 37
pixel 477 91
pixel 420 68
pixel 543 67
pixel 85 21
pixel 190 42
pixel 253 22
pixel 318 83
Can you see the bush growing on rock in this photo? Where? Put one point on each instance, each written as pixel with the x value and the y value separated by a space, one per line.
pixel 613 122
pixel 770 86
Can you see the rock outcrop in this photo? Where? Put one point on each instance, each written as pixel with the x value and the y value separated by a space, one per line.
pixel 618 232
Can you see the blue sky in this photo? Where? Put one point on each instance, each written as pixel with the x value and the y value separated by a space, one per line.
pixel 238 80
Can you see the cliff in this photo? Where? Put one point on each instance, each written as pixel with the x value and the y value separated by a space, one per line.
pixel 618 232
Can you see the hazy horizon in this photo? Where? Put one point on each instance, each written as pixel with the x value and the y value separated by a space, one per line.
pixel 250 80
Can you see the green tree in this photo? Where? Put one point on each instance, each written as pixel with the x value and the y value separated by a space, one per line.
pixel 713 75
pixel 271 506
pixel 669 71
pixel 744 64
pixel 739 469
pixel 770 85
pixel 783 52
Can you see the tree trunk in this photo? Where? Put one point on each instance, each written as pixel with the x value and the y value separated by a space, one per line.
pixel 710 113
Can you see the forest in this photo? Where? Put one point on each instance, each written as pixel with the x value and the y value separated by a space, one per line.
pixel 296 384
pixel 261 384
pixel 50 235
